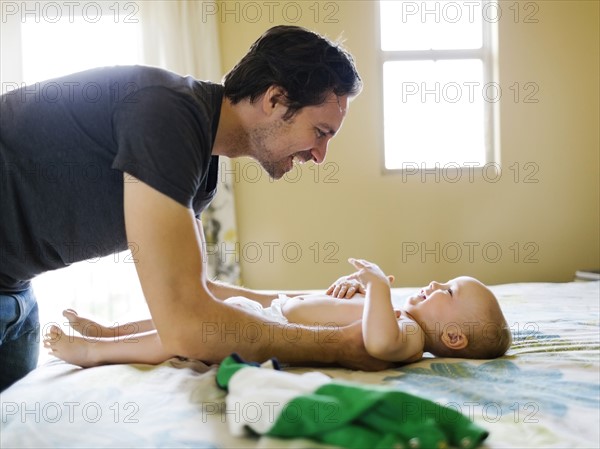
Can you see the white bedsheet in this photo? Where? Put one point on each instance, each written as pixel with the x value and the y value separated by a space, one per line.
pixel 544 393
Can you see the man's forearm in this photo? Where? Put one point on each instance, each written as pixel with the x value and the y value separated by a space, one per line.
pixel 222 291
pixel 207 329
pixel 215 330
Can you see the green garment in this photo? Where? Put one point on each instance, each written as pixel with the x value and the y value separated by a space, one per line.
pixel 356 416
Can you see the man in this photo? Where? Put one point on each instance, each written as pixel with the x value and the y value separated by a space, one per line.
pixel 109 158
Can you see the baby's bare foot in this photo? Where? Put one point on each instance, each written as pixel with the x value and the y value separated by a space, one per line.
pixel 87 327
pixel 75 350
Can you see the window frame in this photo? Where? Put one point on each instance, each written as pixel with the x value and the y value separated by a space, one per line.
pixel 487 53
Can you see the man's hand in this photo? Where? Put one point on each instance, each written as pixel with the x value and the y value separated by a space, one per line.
pixel 348 286
pixel 344 288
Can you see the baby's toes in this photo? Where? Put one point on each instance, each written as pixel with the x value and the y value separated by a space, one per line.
pixel 69 313
pixel 54 333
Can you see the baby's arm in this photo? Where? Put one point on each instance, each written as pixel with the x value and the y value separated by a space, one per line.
pixel 385 337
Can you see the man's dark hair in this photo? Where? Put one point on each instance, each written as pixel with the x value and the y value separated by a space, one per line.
pixel 307 66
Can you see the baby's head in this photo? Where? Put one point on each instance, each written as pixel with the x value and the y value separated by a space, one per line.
pixel 460 318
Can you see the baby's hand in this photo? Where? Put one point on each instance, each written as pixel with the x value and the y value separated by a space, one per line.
pixel 368 273
pixel 344 288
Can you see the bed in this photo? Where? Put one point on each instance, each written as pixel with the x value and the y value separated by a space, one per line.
pixel 544 393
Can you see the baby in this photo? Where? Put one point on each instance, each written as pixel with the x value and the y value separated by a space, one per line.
pixel 460 318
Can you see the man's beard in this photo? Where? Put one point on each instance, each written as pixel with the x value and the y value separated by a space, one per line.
pixel 260 138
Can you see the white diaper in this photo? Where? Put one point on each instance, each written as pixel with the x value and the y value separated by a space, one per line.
pixel 273 313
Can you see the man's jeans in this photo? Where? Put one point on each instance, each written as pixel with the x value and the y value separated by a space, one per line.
pixel 19 336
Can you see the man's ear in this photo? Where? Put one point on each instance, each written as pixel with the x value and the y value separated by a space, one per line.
pixel 453 338
pixel 274 99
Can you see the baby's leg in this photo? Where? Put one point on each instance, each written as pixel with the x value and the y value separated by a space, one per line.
pixel 90 328
pixel 87 351
pixel 87 327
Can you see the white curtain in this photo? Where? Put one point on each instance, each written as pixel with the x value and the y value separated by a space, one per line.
pixel 177 37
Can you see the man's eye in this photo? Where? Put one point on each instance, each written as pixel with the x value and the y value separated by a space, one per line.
pixel 320 133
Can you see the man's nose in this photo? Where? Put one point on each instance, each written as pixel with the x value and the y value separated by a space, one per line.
pixel 319 152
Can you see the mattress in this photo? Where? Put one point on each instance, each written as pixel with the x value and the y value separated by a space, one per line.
pixel 545 392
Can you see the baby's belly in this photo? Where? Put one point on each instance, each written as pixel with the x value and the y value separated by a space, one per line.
pixel 323 310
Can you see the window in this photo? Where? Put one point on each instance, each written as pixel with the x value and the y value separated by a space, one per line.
pixel 439 92
pixel 73 44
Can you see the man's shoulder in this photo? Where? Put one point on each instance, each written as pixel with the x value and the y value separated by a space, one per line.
pixel 167 86
pixel 136 77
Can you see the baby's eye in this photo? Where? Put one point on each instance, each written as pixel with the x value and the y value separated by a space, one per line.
pixel 450 291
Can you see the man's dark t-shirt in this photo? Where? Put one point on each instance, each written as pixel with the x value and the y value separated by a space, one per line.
pixel 65 144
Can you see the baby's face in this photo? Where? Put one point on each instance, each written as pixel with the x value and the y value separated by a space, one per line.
pixel 439 304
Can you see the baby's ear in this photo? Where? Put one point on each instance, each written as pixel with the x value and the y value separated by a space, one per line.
pixel 453 338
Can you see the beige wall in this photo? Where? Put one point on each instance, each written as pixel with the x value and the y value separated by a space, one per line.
pixel 348 208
